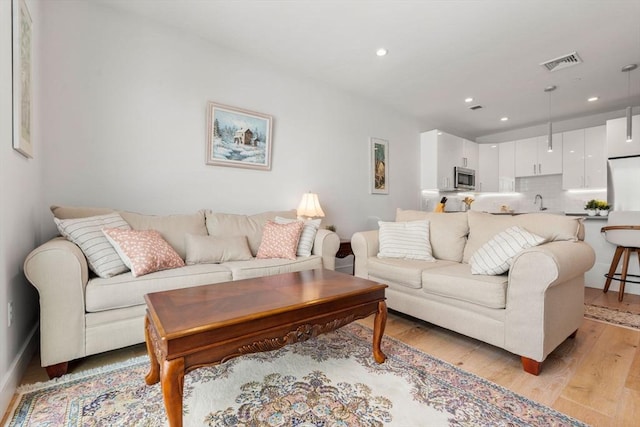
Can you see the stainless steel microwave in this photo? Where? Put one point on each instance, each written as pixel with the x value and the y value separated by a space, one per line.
pixel 464 179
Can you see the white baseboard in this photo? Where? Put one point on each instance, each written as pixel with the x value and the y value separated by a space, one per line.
pixel 16 370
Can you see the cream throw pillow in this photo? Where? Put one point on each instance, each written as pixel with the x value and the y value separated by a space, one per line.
pixel 308 236
pixel 214 250
pixel 87 234
pixel 407 240
pixel 495 256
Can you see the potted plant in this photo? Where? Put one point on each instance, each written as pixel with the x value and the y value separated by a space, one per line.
pixel 591 207
pixel 603 208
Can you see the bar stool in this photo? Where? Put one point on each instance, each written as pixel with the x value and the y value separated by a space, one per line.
pixel 623 230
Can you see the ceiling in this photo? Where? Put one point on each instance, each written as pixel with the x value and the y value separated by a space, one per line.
pixel 440 52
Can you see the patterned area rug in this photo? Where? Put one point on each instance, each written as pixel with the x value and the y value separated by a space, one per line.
pixel 614 316
pixel 328 381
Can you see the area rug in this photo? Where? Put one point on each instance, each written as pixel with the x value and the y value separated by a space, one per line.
pixel 329 381
pixel 614 316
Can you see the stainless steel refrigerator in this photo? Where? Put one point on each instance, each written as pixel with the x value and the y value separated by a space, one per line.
pixel 623 183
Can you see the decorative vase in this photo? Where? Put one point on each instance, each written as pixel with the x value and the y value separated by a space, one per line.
pixel 591 212
pixel 603 212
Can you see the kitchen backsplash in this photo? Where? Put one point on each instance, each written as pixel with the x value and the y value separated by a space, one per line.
pixel 549 187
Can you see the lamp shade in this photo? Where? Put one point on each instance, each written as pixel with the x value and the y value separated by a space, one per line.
pixel 310 206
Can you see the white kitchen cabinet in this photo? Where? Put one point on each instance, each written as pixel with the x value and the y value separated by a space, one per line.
pixel 470 155
pixel 584 163
pixel 487 173
pixel 595 161
pixel 507 167
pixel 440 153
pixel 617 145
pixel 533 158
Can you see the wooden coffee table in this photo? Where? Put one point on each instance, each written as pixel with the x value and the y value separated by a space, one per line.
pixel 193 327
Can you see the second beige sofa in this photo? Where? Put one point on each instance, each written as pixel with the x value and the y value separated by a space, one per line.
pixel 529 311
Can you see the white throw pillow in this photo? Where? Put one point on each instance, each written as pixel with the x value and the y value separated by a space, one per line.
pixel 308 236
pixel 495 256
pixel 87 234
pixel 406 240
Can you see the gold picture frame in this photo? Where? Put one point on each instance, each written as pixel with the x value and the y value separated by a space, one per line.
pixel 379 165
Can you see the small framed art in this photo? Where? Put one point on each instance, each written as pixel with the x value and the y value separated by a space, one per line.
pixel 238 138
pixel 22 85
pixel 379 169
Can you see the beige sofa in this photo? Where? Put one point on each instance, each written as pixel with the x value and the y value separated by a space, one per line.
pixel 529 311
pixel 82 314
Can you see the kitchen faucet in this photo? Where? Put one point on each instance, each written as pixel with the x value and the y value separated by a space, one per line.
pixel 535 201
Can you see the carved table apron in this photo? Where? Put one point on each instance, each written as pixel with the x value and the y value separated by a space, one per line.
pixel 193 327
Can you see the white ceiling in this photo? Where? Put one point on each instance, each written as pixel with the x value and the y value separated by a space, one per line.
pixel 440 52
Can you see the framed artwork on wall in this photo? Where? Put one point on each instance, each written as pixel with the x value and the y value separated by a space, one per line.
pixel 238 138
pixel 22 85
pixel 379 169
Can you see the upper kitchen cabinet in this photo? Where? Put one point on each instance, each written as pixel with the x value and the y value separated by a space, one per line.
pixel 617 145
pixel 470 155
pixel 440 153
pixel 584 163
pixel 533 158
pixel 488 161
pixel 507 167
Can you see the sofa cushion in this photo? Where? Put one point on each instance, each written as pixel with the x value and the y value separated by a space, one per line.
pixel 86 232
pixel 143 251
pixel 404 272
pixel 124 290
pixel 71 212
pixel 268 267
pixel 447 232
pixel 308 236
pixel 214 250
pixel 495 256
pixel 483 226
pixel 172 228
pixel 456 281
pixel 221 224
pixel 406 240
pixel 280 240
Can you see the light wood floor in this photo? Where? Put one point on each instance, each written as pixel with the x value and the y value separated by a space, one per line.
pixel 594 377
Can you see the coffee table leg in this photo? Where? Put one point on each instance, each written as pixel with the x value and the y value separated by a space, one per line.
pixel 379 323
pixel 172 381
pixel 154 371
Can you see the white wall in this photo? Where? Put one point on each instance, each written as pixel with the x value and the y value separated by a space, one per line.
pixel 20 207
pixel 124 103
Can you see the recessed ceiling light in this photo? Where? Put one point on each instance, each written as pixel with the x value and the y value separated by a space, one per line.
pixel 467 100
pixel 593 99
pixel 382 51
pixel 494 146
pixel 504 119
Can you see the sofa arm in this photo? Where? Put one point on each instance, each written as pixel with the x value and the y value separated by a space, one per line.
pixel 326 244
pixel 545 297
pixel 364 244
pixel 59 271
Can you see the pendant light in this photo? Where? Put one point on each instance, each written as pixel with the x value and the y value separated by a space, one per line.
pixel 628 69
pixel 550 89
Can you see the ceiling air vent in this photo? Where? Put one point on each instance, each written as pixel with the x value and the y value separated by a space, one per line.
pixel 562 62
pixel 475 107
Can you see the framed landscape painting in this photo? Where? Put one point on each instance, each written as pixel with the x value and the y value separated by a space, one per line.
pixel 21 73
pixel 238 138
pixel 379 169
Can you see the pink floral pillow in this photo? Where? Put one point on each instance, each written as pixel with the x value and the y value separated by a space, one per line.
pixel 143 251
pixel 280 240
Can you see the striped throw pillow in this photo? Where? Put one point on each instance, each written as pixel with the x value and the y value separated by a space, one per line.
pixel 406 240
pixel 308 236
pixel 87 234
pixel 495 256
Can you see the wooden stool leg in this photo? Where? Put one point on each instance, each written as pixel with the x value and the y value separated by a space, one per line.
pixel 623 277
pixel 613 267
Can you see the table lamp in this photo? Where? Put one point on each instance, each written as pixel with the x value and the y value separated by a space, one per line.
pixel 309 206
